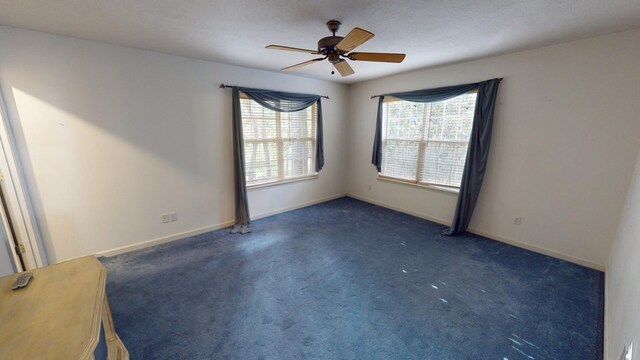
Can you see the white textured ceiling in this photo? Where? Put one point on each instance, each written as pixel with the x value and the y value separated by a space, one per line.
pixel 430 32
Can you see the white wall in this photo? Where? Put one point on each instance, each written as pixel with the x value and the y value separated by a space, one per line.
pixel 564 143
pixel 111 137
pixel 623 278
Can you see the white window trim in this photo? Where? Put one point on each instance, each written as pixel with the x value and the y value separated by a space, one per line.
pixel 447 189
pixel 280 143
pixel 421 144
pixel 285 181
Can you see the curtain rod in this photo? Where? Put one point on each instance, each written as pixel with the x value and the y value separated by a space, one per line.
pixel 222 86
pixel 375 96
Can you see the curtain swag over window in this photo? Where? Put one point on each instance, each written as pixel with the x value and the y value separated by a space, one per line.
pixel 276 101
pixel 479 141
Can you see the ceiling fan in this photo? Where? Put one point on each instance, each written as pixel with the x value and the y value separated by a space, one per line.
pixel 337 49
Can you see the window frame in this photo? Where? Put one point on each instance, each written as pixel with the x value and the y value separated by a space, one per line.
pixel 422 143
pixel 280 142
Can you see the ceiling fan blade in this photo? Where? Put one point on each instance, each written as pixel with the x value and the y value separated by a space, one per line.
pixel 344 68
pixel 355 38
pixel 381 57
pixel 289 48
pixel 302 64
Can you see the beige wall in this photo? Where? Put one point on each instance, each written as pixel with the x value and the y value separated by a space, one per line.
pixel 623 278
pixel 111 137
pixel 564 143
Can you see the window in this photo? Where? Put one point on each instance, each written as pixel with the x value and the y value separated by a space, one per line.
pixel 426 143
pixel 278 146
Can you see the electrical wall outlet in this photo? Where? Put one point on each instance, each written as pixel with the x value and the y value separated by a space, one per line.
pixel 165 218
pixel 517 220
pixel 173 215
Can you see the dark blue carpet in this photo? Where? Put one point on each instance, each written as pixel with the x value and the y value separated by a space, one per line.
pixel 350 280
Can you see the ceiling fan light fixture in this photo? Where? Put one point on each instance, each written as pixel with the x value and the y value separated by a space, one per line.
pixel 334 58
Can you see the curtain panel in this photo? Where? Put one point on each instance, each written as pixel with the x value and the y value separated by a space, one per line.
pixel 479 141
pixel 276 101
pixel 477 155
pixel 243 220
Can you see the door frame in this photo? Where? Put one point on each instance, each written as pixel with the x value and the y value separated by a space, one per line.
pixel 17 200
pixel 17 260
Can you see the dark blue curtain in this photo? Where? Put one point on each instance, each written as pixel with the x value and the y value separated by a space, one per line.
pixel 243 220
pixel 477 155
pixel 376 157
pixel 478 143
pixel 275 101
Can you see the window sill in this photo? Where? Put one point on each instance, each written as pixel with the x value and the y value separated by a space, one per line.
pixel 431 187
pixel 282 182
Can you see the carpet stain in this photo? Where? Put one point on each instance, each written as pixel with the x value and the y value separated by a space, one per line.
pixel 287 324
pixel 308 340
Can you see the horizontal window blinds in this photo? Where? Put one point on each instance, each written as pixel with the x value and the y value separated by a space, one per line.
pixel 427 142
pixel 278 145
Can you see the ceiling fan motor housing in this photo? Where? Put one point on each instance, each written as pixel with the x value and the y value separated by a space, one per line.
pixel 327 45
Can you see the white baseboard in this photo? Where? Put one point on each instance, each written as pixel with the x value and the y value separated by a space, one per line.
pixel 299 206
pixel 552 253
pixel 489 235
pixel 202 230
pixel 163 240
pixel 173 237
pixel 402 210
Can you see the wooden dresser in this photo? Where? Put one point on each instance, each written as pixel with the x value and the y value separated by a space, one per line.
pixel 58 315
